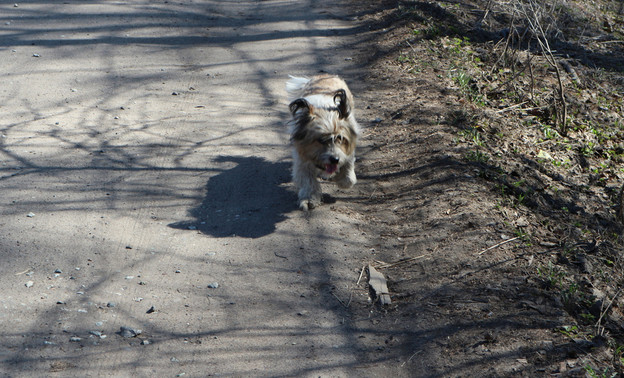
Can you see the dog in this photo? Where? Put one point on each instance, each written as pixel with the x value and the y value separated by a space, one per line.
pixel 323 133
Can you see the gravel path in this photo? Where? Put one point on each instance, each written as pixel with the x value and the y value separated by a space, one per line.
pixel 148 226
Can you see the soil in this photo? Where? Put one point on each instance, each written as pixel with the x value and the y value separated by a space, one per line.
pixel 501 261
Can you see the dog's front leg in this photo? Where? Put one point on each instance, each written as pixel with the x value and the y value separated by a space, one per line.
pixel 304 177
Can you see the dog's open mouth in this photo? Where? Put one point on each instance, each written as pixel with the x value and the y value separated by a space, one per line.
pixel 331 168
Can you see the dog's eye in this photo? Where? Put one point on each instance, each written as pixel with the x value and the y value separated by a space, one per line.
pixel 324 140
pixel 339 139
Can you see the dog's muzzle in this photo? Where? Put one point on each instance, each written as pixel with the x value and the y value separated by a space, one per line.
pixel 331 167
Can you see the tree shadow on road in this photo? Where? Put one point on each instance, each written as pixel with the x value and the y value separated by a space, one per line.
pixel 247 200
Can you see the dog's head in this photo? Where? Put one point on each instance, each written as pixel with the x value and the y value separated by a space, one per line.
pixel 325 135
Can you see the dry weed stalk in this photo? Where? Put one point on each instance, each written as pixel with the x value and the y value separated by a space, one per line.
pixel 540 34
pixel 533 24
pixel 621 207
pixel 535 14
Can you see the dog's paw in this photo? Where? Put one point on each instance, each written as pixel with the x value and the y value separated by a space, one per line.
pixel 307 204
pixel 348 181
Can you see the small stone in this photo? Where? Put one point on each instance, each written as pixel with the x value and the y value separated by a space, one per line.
pixel 151 310
pixel 178 271
pixel 58 271
pixel 75 339
pixel 547 244
pixel 29 284
pixel 96 333
pixel 174 93
pixel 129 332
pixel 36 56
pixel 30 215
pixel 213 285
pixel 522 222
pixel 145 342
pixel 544 155
pixel 60 302
pixel 111 304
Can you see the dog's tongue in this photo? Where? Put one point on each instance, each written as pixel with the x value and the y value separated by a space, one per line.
pixel 331 168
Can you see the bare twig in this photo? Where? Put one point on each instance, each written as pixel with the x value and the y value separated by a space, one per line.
pixel 621 212
pixel 507 42
pixel 510 107
pixel 361 273
pixel 604 312
pixel 498 245
pixel 24 272
pixel 383 265
pixel 409 359
pixel 485 14
pixel 530 64
pixel 339 300
pixel 514 77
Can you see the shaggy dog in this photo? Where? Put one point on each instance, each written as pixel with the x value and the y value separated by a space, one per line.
pixel 324 133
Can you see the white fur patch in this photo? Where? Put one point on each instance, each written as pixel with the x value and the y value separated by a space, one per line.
pixel 295 85
pixel 321 101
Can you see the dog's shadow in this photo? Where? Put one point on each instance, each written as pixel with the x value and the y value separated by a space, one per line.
pixel 247 200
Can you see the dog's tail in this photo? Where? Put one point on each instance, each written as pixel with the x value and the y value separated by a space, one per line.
pixel 295 85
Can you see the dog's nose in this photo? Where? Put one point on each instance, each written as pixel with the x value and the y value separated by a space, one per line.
pixel 334 159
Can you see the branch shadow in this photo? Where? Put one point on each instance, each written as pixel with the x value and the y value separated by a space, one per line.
pixel 247 200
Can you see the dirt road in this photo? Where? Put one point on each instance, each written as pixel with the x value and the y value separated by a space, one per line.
pixel 144 172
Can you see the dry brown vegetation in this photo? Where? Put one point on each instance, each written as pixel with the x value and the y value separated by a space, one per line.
pixel 511 115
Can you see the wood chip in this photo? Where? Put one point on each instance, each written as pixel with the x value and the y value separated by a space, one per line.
pixel 378 282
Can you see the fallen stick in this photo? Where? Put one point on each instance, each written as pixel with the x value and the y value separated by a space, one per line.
pixel 498 245
pixel 361 273
pixel 603 313
pixel 24 272
pixel 339 300
pixel 409 359
pixel 383 265
pixel 510 107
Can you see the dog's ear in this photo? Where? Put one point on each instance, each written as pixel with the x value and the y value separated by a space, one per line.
pixel 300 103
pixel 340 99
pixel 304 108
